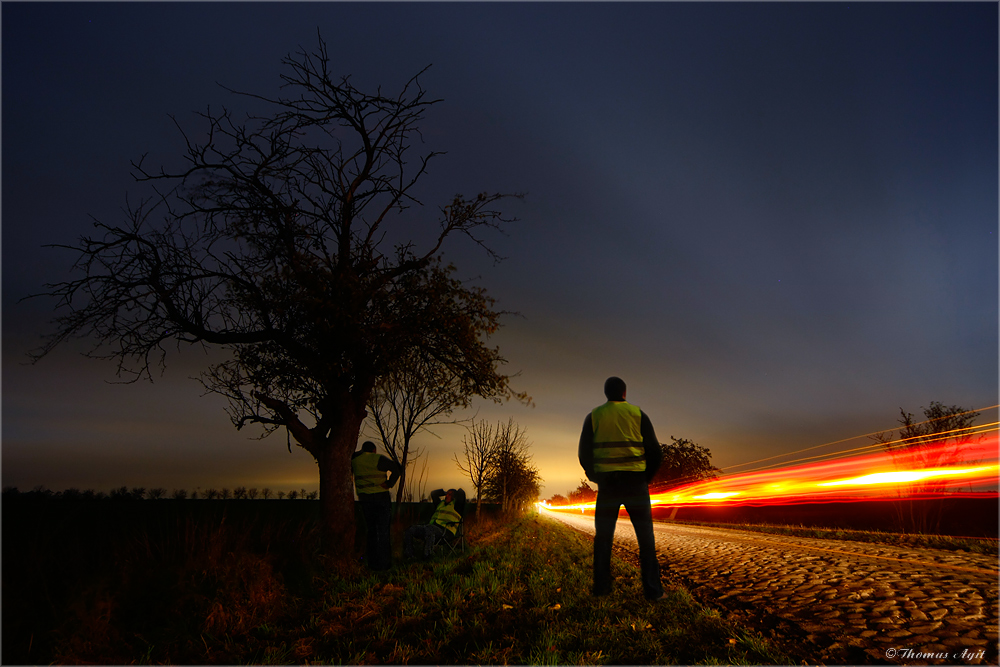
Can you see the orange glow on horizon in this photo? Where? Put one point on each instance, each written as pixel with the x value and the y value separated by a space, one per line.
pixel 934 470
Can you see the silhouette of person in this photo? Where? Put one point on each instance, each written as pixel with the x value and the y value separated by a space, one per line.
pixel 447 515
pixel 372 486
pixel 619 451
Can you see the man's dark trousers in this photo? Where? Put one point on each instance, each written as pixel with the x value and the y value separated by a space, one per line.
pixel 377 510
pixel 631 490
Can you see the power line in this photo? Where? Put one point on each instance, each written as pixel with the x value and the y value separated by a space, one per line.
pixel 836 442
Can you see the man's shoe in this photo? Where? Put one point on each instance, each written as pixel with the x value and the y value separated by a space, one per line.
pixel 658 597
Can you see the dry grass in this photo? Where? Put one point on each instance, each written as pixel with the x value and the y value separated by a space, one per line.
pixel 245 588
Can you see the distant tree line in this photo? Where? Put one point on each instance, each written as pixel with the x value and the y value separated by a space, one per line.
pixel 159 493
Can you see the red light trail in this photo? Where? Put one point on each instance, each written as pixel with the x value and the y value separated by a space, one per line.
pixel 905 470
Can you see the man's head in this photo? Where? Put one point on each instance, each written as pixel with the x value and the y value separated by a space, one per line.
pixel 614 389
pixel 368 446
pixel 449 495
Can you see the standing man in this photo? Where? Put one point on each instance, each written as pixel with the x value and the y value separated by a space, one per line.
pixel 369 471
pixel 619 451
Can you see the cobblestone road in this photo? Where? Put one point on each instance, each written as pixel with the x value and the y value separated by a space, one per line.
pixel 845 602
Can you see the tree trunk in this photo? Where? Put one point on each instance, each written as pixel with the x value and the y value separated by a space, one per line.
pixel 402 475
pixel 336 488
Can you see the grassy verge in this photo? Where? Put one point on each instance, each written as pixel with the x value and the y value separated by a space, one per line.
pixel 984 545
pixel 522 597
pixel 254 590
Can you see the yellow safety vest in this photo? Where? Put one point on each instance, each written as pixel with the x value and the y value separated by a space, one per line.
pixel 367 477
pixel 618 438
pixel 446 516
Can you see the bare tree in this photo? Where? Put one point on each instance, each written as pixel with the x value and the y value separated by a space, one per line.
pixel 419 393
pixel 269 243
pixel 479 450
pixel 499 465
pixel 416 489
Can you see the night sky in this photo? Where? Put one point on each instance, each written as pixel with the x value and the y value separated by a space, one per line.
pixel 777 222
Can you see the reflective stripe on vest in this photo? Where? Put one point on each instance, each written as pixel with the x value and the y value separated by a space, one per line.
pixel 367 477
pixel 618 438
pixel 446 516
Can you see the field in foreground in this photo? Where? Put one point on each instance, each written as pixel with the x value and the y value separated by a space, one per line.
pixel 250 588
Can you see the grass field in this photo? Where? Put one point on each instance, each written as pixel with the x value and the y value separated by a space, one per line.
pixel 242 582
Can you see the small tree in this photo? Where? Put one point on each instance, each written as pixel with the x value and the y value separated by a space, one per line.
pixel 684 462
pixel 582 494
pixel 937 442
pixel 511 479
pixel 419 393
pixel 479 449
pixel 416 485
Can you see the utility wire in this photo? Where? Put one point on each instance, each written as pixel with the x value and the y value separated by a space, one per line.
pixel 836 442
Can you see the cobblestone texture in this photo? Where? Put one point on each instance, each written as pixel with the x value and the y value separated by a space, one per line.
pixel 848 602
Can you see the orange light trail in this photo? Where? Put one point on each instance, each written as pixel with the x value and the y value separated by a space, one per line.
pixel 930 470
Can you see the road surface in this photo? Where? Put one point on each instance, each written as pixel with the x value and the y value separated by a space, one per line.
pixel 847 602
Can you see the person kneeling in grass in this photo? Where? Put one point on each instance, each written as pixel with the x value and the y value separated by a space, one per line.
pixel 445 520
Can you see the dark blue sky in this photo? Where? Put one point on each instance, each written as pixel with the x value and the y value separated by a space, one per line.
pixel 777 222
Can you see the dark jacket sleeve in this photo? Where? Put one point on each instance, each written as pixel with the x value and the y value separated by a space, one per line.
pixel 585 452
pixel 654 455
pixel 388 465
pixel 460 501
pixel 436 496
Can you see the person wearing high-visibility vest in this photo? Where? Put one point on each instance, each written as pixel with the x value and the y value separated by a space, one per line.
pixel 619 451
pixel 372 487
pixel 447 515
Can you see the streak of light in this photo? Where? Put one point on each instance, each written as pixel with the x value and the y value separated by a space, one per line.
pixel 908 476
pixel 925 471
